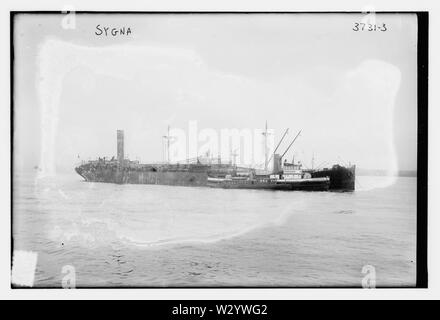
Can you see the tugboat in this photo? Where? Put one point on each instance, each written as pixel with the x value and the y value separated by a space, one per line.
pixel 288 177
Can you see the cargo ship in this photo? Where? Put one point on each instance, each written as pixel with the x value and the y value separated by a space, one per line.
pixel 202 173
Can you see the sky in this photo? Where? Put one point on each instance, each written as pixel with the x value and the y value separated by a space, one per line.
pixel 352 93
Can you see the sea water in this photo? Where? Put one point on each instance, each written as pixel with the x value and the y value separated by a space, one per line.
pixel 150 235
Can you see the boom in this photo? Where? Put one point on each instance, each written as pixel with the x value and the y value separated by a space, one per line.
pixel 291 144
pixel 285 133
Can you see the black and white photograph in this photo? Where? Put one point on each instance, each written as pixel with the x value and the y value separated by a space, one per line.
pixel 217 150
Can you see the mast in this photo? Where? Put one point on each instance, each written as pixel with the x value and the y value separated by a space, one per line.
pixel 168 144
pixel 167 137
pixel 234 155
pixel 265 134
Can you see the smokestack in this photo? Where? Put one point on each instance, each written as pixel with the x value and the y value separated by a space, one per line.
pixel 276 163
pixel 120 145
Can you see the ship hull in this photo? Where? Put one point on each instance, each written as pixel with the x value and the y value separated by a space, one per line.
pixel 319 184
pixel 341 178
pixel 126 176
pixel 194 179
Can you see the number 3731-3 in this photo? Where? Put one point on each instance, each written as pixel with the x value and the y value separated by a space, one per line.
pixel 359 26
